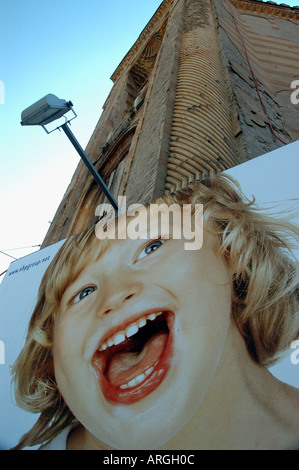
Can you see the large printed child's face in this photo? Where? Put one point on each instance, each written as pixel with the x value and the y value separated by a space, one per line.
pixel 139 336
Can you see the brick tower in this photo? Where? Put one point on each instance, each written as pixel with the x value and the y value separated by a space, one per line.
pixel 206 86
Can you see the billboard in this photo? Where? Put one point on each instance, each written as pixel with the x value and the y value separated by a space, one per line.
pixel 161 341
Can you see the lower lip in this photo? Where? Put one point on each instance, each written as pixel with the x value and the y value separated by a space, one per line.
pixel 132 395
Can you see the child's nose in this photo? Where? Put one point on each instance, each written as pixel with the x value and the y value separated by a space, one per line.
pixel 119 297
pixel 116 302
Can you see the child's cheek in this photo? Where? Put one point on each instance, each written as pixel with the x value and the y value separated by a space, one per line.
pixel 64 341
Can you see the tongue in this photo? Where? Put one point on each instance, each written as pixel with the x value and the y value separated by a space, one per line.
pixel 125 366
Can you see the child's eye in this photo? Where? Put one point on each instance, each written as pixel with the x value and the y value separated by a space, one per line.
pixel 84 293
pixel 150 248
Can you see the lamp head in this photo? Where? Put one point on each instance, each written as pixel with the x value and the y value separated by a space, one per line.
pixel 47 109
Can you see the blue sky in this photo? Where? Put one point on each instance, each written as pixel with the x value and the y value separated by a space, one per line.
pixel 69 48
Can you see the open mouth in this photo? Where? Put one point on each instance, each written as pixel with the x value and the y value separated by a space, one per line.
pixel 133 361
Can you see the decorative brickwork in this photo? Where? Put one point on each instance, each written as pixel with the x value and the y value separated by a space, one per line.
pixel 202 139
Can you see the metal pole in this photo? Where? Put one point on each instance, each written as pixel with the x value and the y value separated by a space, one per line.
pixel 90 166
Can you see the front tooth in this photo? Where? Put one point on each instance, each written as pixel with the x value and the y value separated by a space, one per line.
pixel 124 386
pixel 137 380
pixel 132 383
pixel 119 338
pixel 149 371
pixel 131 330
pixel 140 378
pixel 142 322
pixel 152 316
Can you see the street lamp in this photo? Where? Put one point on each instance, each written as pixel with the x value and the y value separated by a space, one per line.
pixel 48 109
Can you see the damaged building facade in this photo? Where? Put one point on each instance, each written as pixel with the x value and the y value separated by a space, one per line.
pixel 205 87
